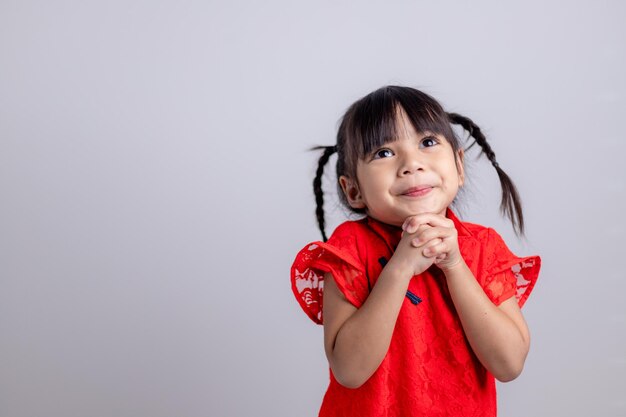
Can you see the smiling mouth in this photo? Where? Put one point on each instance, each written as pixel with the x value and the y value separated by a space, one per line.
pixel 417 191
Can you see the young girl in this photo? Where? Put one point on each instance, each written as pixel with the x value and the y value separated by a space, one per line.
pixel 420 309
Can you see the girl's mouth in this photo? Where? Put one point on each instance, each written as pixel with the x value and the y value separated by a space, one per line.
pixel 417 191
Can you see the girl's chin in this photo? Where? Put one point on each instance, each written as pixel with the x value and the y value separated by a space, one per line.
pixel 397 218
pixel 426 210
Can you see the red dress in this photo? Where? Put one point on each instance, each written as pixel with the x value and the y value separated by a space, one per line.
pixel 430 368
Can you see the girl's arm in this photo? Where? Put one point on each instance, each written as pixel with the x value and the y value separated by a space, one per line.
pixel 357 340
pixel 498 335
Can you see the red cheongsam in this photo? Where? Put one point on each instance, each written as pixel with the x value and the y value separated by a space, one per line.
pixel 429 369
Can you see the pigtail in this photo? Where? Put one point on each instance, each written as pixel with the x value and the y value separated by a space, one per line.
pixel 317 186
pixel 511 204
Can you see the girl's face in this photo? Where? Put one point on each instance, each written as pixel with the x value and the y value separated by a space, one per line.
pixel 415 174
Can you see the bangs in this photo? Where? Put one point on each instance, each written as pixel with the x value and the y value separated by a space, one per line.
pixel 375 116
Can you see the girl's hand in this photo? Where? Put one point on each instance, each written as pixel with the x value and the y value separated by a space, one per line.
pixel 428 228
pixel 410 258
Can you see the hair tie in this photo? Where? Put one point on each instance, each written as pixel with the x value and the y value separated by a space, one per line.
pixel 495 164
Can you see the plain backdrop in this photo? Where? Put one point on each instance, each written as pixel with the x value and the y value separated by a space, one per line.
pixel 155 186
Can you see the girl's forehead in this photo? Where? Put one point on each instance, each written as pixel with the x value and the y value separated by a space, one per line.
pixel 374 130
pixel 404 127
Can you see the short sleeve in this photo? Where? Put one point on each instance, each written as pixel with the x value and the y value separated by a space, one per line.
pixel 506 274
pixel 339 256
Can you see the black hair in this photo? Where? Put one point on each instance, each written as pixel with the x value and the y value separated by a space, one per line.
pixel 370 122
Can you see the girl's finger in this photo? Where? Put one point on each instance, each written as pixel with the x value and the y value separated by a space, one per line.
pixel 437 249
pixel 419 241
pixel 411 225
pixel 406 223
pixel 427 249
pixel 432 233
pixel 441 257
pixel 431 219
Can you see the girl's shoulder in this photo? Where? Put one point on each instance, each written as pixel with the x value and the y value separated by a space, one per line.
pixel 352 235
pixel 480 237
pixel 350 226
pixel 474 232
pixel 501 272
pixel 475 229
pixel 342 256
pixel 469 230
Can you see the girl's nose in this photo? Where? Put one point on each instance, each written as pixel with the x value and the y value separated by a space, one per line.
pixel 410 165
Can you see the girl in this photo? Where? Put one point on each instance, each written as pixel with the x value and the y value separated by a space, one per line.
pixel 420 310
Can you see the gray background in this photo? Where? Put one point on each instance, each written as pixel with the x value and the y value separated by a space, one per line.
pixel 155 188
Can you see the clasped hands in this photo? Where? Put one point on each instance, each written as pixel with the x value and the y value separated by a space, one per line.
pixel 435 239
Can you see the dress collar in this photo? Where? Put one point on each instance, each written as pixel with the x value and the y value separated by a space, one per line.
pixel 392 234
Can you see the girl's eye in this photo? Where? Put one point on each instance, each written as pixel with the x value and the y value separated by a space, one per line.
pixel 382 153
pixel 429 141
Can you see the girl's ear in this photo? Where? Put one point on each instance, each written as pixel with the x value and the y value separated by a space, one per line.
pixel 460 167
pixel 351 191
